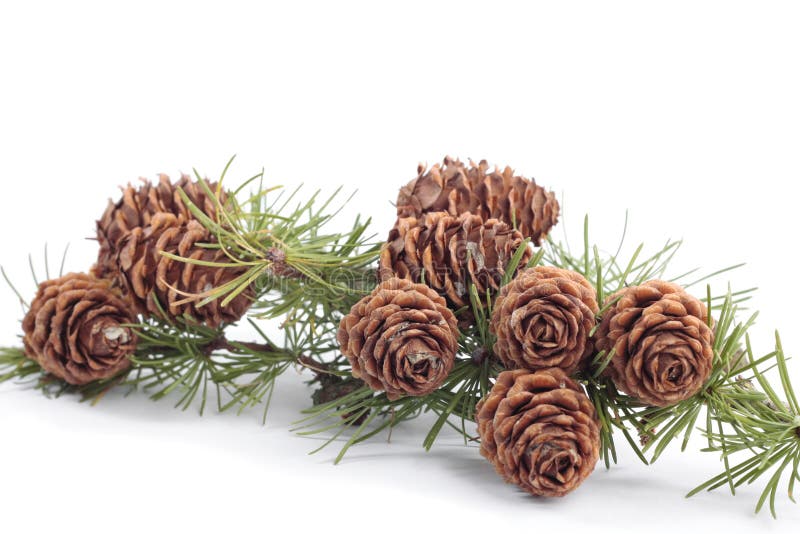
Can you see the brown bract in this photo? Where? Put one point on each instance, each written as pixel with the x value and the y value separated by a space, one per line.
pixel 539 430
pixel 543 318
pixel 458 188
pixel 401 339
pixel 159 284
pixel 75 329
pixel 663 346
pixel 448 253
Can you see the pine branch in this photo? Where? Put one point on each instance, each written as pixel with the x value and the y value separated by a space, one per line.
pixel 762 425
pixel 179 359
pixel 740 420
pixel 308 279
pixel 277 241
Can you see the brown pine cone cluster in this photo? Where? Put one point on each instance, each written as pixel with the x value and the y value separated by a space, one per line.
pixel 449 252
pixel 151 220
pixel 458 227
pixel 76 329
pixel 457 189
pixel 663 346
pixel 544 318
pixel 401 339
pixel 539 430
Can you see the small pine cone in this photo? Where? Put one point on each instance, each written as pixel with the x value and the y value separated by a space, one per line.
pixel 154 282
pixel 544 318
pixel 332 387
pixel 457 189
pixel 74 329
pixel 663 347
pixel 138 206
pixel 447 252
pixel 539 430
pixel 401 339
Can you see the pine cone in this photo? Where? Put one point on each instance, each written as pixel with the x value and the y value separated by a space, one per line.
pixel 154 282
pixel 663 348
pixel 138 206
pixel 74 330
pixel 401 339
pixel 543 318
pixel 539 430
pixel 458 189
pixel 332 387
pixel 152 219
pixel 447 252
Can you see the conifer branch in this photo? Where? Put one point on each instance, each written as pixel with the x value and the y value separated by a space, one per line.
pixel 308 279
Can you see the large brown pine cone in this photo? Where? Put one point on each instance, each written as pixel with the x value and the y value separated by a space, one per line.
pixel 447 253
pixel 401 339
pixel 154 282
pixel 457 188
pixel 544 318
pixel 539 430
pixel 75 329
pixel 663 347
pixel 139 205
pixel 153 219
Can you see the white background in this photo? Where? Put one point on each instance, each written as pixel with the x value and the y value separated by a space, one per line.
pixel 685 113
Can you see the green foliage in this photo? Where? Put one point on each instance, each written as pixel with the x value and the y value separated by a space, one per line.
pixel 610 273
pixel 280 243
pixel 362 412
pixel 761 425
pixel 14 365
pixel 616 412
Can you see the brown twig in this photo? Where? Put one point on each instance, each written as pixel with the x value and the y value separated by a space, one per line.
pixel 222 343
